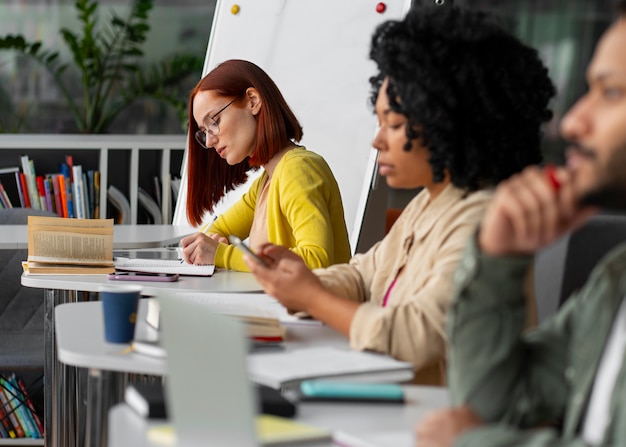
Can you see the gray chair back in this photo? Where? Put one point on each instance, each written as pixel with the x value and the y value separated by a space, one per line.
pixel 564 267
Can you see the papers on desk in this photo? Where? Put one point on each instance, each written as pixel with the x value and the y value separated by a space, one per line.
pixel 271 431
pixel 236 304
pixel 285 370
pixel 386 438
pixel 163 266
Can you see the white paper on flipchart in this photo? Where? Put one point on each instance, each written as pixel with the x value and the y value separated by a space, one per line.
pixel 247 304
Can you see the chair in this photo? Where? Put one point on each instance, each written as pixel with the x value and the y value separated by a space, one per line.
pixel 564 267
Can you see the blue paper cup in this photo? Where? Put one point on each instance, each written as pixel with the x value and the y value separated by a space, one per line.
pixel 119 305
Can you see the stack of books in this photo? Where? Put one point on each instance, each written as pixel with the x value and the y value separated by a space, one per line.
pixel 17 412
pixel 69 246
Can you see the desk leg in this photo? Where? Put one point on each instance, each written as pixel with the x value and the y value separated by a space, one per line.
pixel 104 389
pixel 60 381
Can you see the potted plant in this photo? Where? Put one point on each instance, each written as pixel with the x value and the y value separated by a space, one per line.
pixel 108 59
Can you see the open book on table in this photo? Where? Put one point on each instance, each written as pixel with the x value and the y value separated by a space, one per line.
pixel 69 246
pixel 163 266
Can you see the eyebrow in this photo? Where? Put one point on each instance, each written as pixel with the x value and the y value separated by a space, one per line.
pixel 603 76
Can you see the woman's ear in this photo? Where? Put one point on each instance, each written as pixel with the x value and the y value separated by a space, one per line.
pixel 254 100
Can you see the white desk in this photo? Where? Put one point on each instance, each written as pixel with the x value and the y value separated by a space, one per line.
pixel 61 289
pixel 384 425
pixel 124 236
pixel 80 343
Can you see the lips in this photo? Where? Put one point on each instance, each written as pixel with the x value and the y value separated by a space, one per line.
pixel 220 151
pixel 384 169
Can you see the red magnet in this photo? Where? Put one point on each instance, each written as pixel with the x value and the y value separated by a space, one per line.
pixel 381 7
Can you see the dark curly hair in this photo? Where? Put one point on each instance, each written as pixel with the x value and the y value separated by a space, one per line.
pixel 472 92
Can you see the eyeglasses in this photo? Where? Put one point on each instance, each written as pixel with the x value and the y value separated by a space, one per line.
pixel 211 127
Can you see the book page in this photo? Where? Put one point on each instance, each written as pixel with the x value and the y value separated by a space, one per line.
pixel 70 241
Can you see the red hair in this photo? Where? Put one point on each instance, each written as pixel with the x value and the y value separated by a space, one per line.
pixel 209 176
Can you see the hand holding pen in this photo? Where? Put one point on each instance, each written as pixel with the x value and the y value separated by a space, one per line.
pixel 531 210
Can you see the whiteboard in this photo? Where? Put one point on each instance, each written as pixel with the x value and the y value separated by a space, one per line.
pixel 317 53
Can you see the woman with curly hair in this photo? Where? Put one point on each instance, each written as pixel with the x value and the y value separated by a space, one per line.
pixel 460 103
pixel 239 121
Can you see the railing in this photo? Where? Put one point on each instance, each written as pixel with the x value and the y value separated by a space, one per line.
pixel 71 144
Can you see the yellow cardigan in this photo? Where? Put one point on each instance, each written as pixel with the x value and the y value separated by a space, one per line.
pixel 304 213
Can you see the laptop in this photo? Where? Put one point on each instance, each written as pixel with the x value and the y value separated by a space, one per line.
pixel 210 397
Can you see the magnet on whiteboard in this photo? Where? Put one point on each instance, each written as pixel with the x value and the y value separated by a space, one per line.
pixel 234 9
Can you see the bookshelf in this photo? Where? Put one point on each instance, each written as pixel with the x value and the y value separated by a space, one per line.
pixel 125 161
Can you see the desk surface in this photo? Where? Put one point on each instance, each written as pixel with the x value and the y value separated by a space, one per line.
pixel 124 236
pixel 80 340
pixel 223 281
pixel 381 425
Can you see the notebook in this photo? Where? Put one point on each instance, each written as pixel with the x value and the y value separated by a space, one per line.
pixel 163 266
pixel 287 370
pixel 210 398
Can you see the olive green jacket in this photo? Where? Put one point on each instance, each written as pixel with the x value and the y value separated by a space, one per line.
pixel 531 387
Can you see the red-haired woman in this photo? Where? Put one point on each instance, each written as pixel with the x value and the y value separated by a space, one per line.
pixel 240 121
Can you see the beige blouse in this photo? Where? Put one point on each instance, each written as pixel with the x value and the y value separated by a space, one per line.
pixel 426 243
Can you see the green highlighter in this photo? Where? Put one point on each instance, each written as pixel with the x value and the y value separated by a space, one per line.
pixel 329 391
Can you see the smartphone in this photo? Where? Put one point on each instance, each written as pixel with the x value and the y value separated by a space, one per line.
pixel 247 250
pixel 143 276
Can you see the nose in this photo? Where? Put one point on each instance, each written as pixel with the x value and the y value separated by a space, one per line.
pixel 379 139
pixel 210 139
pixel 576 123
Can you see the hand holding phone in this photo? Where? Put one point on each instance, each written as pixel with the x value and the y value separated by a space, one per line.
pixel 247 250
pixel 143 276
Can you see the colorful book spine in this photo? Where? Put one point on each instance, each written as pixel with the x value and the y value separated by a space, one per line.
pixel 63 192
pixel 25 189
pixel 77 191
pixel 20 191
pixel 57 194
pixel 92 198
pixel 85 191
pixel 6 202
pixel 71 212
pixel 29 173
pixel 19 431
pixel 23 399
pixel 15 401
pixel 6 424
pixel 37 420
pixel 41 190
pixel 96 194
